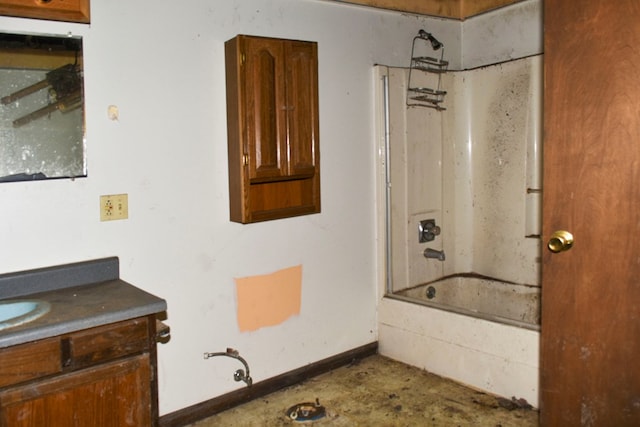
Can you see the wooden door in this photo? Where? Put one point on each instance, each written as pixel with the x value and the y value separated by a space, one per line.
pixel 590 344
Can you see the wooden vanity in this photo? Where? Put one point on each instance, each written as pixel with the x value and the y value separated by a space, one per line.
pixel 101 374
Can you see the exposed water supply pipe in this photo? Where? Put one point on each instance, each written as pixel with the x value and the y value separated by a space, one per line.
pixel 240 374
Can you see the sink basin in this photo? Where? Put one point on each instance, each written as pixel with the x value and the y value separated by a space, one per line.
pixel 19 312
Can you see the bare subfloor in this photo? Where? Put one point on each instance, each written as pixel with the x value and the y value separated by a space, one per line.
pixel 377 391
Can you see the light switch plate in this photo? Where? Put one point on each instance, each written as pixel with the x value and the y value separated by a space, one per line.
pixel 114 206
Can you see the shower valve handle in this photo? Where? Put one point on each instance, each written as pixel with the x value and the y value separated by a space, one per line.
pixel 427 230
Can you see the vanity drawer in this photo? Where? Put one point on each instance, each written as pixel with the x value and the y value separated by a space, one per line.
pixel 25 362
pixel 28 361
pixel 104 343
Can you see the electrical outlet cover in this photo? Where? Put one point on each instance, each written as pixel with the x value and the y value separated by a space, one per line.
pixel 113 207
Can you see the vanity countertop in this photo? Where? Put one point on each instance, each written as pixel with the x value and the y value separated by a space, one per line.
pixel 103 299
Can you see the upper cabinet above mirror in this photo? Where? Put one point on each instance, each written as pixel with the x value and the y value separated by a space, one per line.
pixel 55 10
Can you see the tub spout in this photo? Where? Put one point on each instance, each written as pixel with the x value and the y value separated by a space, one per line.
pixel 432 253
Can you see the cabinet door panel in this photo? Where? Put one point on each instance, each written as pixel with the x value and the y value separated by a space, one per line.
pixel 302 105
pixel 265 119
pixel 112 394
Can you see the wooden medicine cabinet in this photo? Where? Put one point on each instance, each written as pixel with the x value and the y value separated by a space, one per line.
pixel 272 120
pixel 56 10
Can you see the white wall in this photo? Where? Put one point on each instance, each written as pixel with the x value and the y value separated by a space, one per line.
pixel 492 131
pixel 162 64
pixel 508 33
pixel 505 127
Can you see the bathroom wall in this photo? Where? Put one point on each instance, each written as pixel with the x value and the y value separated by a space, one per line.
pixel 162 64
pixel 492 141
pixel 509 33
pixel 505 133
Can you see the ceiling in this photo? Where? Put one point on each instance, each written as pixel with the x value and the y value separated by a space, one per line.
pixel 453 9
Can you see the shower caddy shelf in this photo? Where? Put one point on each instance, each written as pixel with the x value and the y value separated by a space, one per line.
pixel 426 96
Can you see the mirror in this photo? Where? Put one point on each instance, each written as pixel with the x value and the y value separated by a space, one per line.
pixel 42 133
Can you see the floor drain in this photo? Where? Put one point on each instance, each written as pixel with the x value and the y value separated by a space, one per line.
pixel 306 411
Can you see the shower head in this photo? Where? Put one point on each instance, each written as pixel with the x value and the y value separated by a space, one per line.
pixel 435 44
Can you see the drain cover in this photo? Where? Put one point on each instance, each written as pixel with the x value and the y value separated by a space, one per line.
pixel 306 411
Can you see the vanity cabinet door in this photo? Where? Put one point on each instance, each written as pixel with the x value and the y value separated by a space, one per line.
pixel 272 128
pixel 111 394
pixel 56 10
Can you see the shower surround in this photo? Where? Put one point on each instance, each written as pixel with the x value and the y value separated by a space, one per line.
pixel 475 169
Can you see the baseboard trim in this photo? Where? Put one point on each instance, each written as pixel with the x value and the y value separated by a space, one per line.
pixel 218 404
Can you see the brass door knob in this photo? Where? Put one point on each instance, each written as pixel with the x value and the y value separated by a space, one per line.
pixel 560 241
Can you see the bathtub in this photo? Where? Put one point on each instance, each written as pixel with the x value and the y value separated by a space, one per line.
pixel 498 357
pixel 480 296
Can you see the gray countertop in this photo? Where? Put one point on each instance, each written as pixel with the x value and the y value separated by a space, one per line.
pixel 79 306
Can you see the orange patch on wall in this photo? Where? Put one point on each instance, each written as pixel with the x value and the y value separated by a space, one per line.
pixel 269 299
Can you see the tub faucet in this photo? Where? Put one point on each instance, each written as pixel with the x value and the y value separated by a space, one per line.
pixel 432 253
